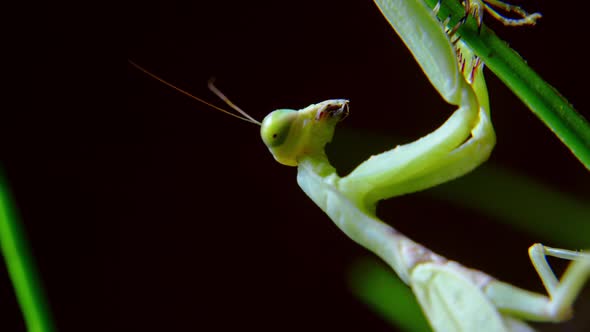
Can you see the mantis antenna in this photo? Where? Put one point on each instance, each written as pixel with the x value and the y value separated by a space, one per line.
pixel 221 96
pixel 246 116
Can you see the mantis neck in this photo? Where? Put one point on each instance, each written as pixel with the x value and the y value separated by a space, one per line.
pixel 319 181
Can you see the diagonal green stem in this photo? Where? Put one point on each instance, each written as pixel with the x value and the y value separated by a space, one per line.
pixel 20 267
pixel 541 98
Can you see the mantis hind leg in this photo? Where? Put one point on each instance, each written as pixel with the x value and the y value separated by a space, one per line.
pixel 537 307
pixel 562 293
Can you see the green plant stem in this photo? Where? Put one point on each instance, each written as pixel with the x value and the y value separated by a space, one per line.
pixel 541 98
pixel 20 267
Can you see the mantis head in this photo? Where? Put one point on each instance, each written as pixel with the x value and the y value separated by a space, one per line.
pixel 290 134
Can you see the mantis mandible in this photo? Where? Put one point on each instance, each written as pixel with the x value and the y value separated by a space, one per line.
pixel 453 297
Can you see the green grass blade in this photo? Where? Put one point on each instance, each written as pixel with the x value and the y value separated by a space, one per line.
pixel 21 269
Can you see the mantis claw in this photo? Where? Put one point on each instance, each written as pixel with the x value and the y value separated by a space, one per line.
pixel 476 9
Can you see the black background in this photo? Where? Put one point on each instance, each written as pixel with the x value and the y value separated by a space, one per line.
pixel 167 216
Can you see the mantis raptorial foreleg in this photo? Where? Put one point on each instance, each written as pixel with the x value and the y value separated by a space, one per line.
pixel 444 154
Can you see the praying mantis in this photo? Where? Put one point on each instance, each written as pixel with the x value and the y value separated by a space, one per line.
pixel 297 138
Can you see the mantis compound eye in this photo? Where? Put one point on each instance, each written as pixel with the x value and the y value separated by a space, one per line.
pixel 276 131
pixel 276 126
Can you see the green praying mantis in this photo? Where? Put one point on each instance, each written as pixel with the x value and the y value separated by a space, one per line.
pixel 453 297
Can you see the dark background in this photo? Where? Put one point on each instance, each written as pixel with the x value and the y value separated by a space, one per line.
pixel 167 216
